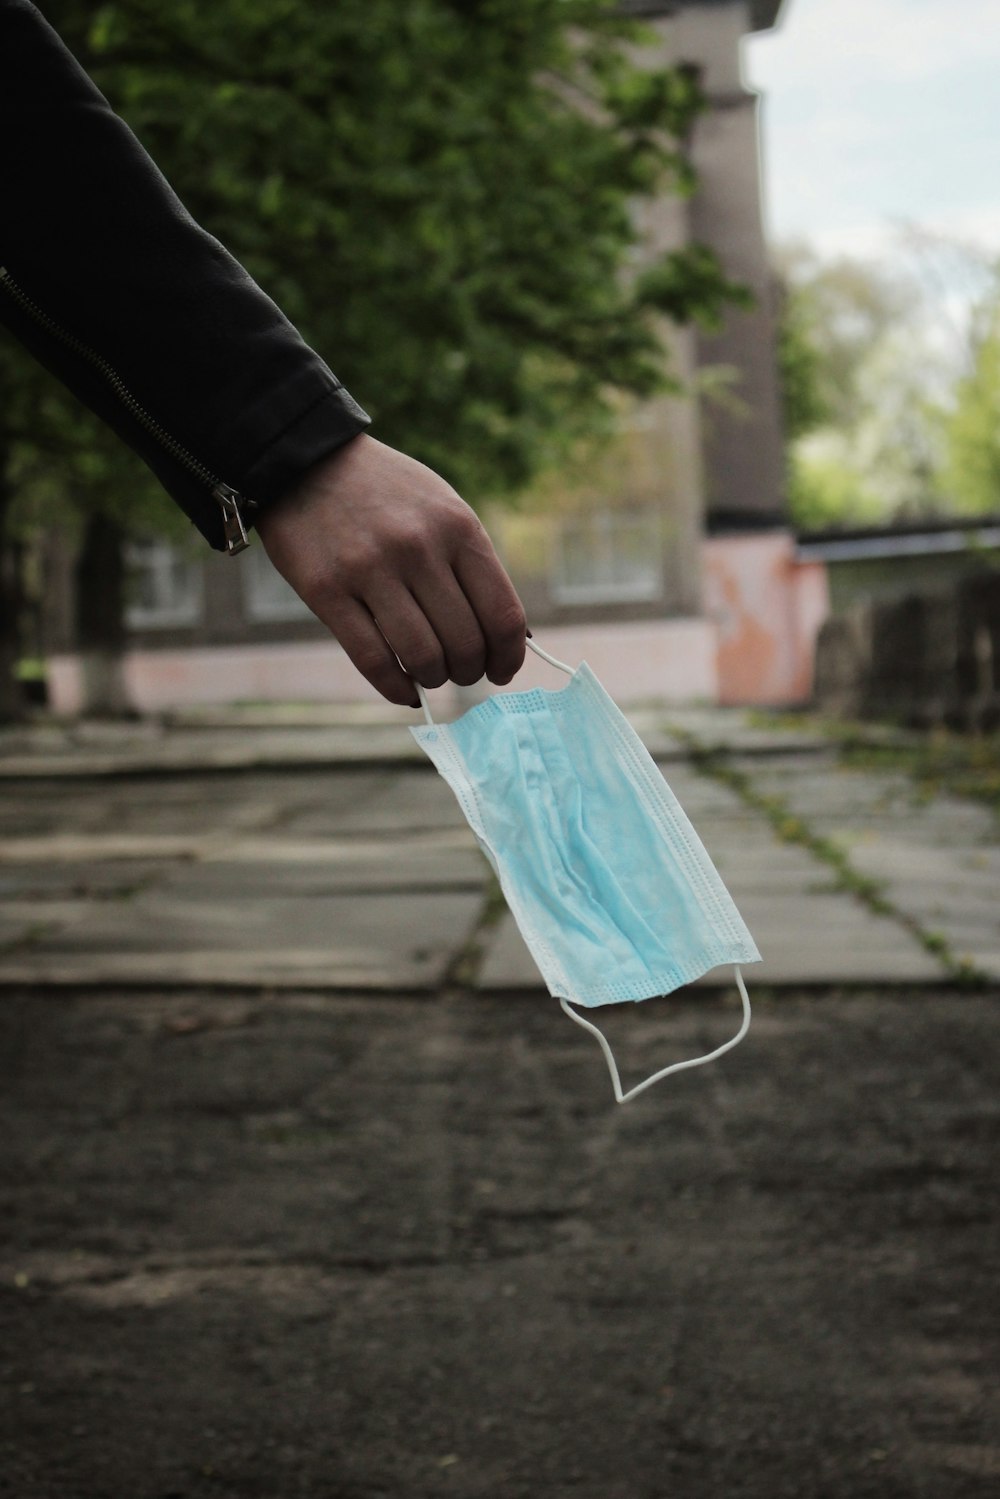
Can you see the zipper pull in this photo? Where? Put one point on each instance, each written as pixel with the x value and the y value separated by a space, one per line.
pixel 235 531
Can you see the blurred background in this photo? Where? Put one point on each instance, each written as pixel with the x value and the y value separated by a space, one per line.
pixel 697 303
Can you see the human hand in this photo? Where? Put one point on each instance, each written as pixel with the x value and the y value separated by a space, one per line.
pixel 397 565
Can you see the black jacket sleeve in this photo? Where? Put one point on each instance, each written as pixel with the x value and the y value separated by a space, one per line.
pixel 111 284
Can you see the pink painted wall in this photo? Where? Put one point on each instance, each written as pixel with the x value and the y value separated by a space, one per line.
pixel 668 660
pixel 755 645
pixel 767 608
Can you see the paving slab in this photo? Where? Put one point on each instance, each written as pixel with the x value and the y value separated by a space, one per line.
pixel 403 802
pixel 314 871
pixel 737 731
pixel 223 750
pixel 321 832
pixel 310 803
pixel 115 852
pixel 40 874
pixel 220 740
pixel 841 801
pixel 829 939
pixel 749 866
pixel 44 869
pixel 813 939
pixel 937 860
pixel 158 808
pixel 22 919
pixel 405 940
pixel 16 926
pixel 703 797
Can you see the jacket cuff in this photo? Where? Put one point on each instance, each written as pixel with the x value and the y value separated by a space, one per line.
pixel 325 426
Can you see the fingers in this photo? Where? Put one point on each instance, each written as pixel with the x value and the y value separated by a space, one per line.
pixel 495 604
pixel 395 638
pixel 455 626
pixel 454 585
pixel 392 641
pixel 399 568
pixel 410 633
pixel 354 626
pixel 443 631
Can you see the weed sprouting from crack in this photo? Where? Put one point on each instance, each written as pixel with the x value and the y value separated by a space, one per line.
pixel 963 765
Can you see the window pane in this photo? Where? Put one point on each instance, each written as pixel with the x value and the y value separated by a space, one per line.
pixel 163 587
pixel 267 594
pixel 608 557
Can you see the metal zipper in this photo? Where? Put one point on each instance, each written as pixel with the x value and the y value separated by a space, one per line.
pixel 229 500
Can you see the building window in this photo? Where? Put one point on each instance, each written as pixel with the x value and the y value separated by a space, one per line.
pixel 164 586
pixel 608 557
pixel 267 595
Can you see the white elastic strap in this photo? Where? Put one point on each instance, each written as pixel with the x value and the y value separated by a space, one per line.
pixel 675 1066
pixel 425 701
pixel 550 659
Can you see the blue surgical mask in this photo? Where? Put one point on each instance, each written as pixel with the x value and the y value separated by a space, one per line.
pixel 609 884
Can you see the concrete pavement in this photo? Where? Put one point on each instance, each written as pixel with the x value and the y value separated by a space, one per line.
pixel 328 854
pixel 310 1192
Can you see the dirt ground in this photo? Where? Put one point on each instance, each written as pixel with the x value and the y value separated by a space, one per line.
pixel 336 1248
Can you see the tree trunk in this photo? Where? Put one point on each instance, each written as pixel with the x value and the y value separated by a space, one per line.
pixel 100 619
pixel 12 702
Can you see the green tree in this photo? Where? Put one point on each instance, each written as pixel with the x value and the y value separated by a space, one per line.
pixel 972 427
pixel 845 310
pixel 862 386
pixel 440 196
pixel 437 193
pixel 801 373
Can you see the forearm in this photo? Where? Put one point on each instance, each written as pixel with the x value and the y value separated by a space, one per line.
pixel 143 314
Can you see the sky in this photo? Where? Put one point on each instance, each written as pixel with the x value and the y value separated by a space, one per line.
pixel 876 113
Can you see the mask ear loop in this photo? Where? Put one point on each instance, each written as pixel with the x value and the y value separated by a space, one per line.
pixel 675 1066
pixel 561 665
pixel 552 660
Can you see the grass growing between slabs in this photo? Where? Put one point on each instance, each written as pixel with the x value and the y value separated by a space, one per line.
pixel 790 828
pixel 464 969
pixel 936 760
pixel 963 765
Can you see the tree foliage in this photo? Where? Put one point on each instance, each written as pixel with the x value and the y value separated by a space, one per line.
pixel 862 384
pixel 801 372
pixel 843 310
pixel 438 194
pixel 972 426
